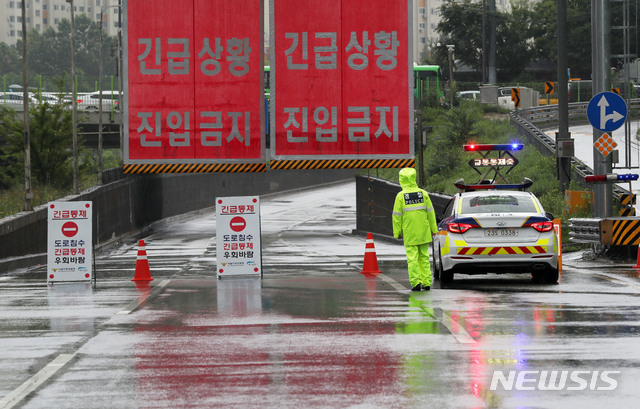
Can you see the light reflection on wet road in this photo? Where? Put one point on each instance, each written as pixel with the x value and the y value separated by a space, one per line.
pixel 313 332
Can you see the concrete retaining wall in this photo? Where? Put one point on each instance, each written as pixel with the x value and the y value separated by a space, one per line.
pixel 127 205
pixel 374 204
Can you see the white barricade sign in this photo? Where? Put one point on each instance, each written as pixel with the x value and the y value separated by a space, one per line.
pixel 238 244
pixel 69 241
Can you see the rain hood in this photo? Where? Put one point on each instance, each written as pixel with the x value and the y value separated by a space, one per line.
pixel 407 177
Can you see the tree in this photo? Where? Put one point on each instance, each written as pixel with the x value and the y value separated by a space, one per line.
pixel 51 131
pixel 11 155
pixel 515 44
pixel 454 128
pixel 545 28
pixel 50 137
pixel 49 53
pixel 461 25
pixel 9 59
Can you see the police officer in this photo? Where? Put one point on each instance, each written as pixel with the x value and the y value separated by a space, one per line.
pixel 414 220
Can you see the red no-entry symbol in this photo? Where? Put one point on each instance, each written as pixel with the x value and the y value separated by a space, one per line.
pixel 238 224
pixel 69 229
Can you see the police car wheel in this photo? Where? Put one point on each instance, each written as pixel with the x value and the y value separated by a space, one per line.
pixel 551 276
pixel 437 267
pixel 446 276
pixel 536 277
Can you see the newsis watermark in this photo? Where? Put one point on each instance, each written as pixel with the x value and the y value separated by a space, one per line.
pixel 569 380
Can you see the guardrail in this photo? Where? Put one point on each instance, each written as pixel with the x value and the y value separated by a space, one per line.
pixel 528 123
pixel 374 205
pixel 546 144
pixel 546 116
pixel 584 230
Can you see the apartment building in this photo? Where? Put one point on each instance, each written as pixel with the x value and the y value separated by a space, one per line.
pixel 426 17
pixel 41 14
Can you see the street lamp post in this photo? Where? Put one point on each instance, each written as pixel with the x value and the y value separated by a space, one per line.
pixel 450 48
pixel 100 170
pixel 100 103
pixel 28 195
pixel 75 102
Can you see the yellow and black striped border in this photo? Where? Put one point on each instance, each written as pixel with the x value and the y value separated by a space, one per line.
pixel 196 168
pixel 627 199
pixel 627 212
pixel 342 164
pixel 620 232
pixel 262 167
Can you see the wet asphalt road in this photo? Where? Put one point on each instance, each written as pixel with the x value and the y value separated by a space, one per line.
pixel 314 332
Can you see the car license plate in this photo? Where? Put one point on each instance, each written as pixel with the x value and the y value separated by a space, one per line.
pixel 501 233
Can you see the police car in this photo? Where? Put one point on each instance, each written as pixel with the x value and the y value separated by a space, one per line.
pixel 493 227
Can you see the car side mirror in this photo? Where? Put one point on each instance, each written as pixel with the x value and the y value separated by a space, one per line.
pixel 549 215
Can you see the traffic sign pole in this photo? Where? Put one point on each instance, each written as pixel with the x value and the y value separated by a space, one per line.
pixel 563 163
pixel 606 112
pixel 601 67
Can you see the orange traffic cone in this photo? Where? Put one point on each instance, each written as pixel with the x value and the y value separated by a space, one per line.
pixel 143 273
pixel 370 265
pixel 637 259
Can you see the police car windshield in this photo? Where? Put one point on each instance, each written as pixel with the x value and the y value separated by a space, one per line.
pixel 498 204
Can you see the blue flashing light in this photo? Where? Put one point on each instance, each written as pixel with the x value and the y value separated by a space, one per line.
pixel 628 176
pixel 611 178
pixel 493 147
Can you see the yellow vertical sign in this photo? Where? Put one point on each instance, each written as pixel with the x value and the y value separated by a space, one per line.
pixel 549 87
pixel 515 97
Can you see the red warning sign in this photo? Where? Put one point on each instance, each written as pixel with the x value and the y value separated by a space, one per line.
pixel 69 229
pixel 238 248
pixel 69 241
pixel 238 224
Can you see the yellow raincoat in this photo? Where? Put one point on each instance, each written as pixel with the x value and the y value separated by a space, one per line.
pixel 414 220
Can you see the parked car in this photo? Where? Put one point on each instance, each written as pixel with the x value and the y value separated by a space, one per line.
pixel 469 95
pixel 504 98
pixel 50 98
pixel 15 100
pixel 91 102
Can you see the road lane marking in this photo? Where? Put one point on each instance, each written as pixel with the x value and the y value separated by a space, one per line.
pixel 393 283
pixel 440 315
pixel 135 305
pixel 458 332
pixel 31 384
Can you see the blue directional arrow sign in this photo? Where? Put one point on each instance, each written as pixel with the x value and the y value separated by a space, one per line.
pixel 607 111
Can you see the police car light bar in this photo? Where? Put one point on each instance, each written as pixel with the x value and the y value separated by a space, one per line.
pixel 611 178
pixel 489 147
pixel 526 183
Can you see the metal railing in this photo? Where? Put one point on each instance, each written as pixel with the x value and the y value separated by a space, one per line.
pixel 583 230
pixel 528 123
